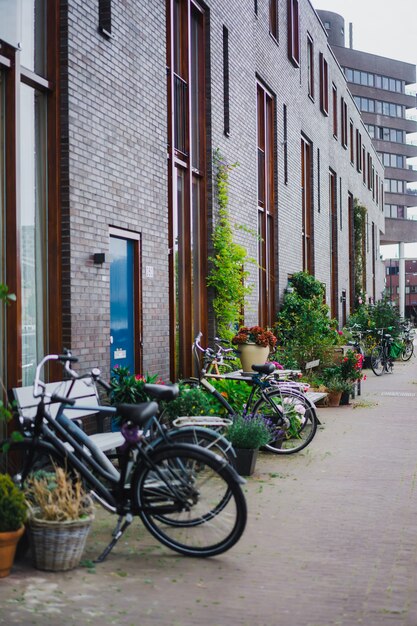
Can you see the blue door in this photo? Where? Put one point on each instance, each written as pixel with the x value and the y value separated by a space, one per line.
pixel 122 303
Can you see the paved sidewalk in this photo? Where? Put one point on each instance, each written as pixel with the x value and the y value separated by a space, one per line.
pixel 331 540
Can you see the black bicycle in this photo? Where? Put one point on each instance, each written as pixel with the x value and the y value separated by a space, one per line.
pixel 281 402
pixel 189 498
pixel 381 358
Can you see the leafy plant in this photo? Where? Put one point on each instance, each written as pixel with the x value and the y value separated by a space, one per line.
pixel 57 496
pixel 249 432
pixel 129 388
pixel 5 299
pixel 13 508
pixel 227 273
pixel 303 328
pixel 190 401
pixel 359 218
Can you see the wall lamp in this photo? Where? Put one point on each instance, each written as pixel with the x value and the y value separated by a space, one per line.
pixel 99 258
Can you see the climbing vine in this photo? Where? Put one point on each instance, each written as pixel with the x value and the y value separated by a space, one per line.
pixel 359 218
pixel 227 275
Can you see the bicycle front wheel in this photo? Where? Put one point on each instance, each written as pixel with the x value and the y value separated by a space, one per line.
pixel 293 417
pixel 408 351
pixel 190 500
pixel 377 361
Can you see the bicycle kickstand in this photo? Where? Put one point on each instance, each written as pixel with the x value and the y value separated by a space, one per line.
pixel 117 533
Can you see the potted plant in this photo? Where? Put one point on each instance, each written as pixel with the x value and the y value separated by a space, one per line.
pixel 335 386
pixel 254 345
pixel 247 435
pixel 60 517
pixel 13 511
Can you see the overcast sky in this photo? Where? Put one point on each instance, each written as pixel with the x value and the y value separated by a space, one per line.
pixel 388 29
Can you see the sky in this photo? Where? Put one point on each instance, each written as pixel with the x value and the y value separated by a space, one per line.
pixel 388 29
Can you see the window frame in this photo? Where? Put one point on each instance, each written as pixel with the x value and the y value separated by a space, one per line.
pixel 293 30
pixel 324 84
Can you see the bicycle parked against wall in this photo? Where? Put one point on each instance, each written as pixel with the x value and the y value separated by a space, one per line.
pixel 282 402
pixel 407 339
pixel 188 498
pixel 381 357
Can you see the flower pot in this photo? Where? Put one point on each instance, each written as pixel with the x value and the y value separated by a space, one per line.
pixel 245 461
pixel 8 544
pixel 345 398
pixel 58 546
pixel 333 398
pixel 252 354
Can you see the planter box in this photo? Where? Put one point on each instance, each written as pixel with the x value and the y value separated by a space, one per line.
pixel 245 461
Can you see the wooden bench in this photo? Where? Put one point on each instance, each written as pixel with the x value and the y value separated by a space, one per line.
pixel 84 392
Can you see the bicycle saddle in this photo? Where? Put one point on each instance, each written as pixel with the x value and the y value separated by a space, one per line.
pixel 267 368
pixel 139 414
pixel 162 392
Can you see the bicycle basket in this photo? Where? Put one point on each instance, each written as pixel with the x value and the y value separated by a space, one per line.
pixel 395 349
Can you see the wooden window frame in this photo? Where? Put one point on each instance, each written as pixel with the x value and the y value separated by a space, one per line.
pixel 352 142
pixel 293 30
pixel 273 19
pixel 335 109
pixel 307 234
pixel 310 66
pixel 343 123
pixel 104 17
pixel 334 307
pixel 226 83
pixel 324 84
pixel 266 204
pixel 358 151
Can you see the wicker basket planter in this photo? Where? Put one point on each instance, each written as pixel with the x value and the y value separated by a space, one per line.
pixel 58 546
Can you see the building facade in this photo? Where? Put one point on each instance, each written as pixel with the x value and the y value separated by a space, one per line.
pixel 110 116
pixel 379 87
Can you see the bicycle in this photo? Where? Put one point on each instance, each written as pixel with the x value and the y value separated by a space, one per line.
pixel 381 359
pixel 293 416
pixel 188 498
pixel 407 340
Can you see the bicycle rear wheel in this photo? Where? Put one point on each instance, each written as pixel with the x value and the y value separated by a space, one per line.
pixel 199 436
pixel 377 361
pixel 408 350
pixel 294 419
pixel 190 500
pixel 20 459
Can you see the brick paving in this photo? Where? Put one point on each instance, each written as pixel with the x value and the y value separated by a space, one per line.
pixel 331 540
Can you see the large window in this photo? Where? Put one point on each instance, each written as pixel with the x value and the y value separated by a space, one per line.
pixel 333 243
pixel 33 220
pixel 186 160
pixel 30 224
pixel 266 202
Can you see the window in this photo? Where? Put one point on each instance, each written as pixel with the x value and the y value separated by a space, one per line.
pixel 293 32
pixel 324 84
pixel 307 205
pixel 226 105
pixel 351 252
pixel 104 17
pixel 273 18
pixel 333 243
pixel 369 161
pixel 187 174
pixel 266 205
pixel 363 165
pixel 358 151
pixel 352 146
pixel 343 115
pixel 310 66
pixel 334 103
pixel 285 130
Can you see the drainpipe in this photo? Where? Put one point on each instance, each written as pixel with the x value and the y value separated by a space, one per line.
pixel 401 279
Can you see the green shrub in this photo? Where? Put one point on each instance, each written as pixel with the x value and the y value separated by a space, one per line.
pixel 129 388
pixel 190 401
pixel 249 432
pixel 303 327
pixel 13 508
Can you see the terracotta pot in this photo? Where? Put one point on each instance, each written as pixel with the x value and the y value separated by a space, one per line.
pixel 333 398
pixel 252 354
pixel 8 544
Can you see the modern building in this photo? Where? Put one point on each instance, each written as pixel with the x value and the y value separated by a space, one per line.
pixel 110 115
pixel 380 89
pixel 410 288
